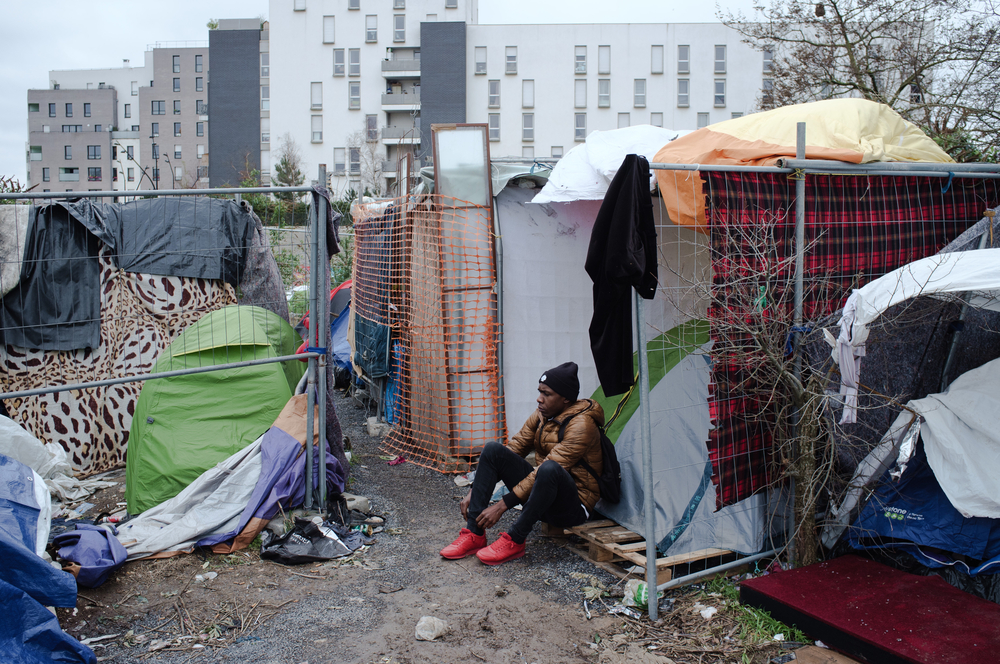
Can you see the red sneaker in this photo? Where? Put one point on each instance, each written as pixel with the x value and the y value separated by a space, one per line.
pixel 467 544
pixel 501 551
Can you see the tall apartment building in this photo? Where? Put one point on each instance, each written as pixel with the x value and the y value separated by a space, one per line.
pixel 358 83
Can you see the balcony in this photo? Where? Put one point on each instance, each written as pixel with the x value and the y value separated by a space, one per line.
pixel 400 135
pixel 389 167
pixel 394 69
pixel 401 101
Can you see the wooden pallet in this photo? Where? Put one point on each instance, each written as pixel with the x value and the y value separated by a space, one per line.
pixel 609 542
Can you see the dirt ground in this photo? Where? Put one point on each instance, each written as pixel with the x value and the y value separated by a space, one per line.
pixel 365 608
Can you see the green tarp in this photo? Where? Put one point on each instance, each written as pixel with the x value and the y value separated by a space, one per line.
pixel 186 424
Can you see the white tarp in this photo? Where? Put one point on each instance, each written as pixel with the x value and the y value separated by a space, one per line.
pixel 584 173
pixel 975 273
pixel 49 460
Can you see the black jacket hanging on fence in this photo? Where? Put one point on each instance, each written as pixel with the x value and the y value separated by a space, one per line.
pixel 622 255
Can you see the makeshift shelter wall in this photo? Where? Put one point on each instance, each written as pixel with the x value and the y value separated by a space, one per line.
pixel 547 310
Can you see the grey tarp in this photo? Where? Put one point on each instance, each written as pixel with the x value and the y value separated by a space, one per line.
pixel 56 304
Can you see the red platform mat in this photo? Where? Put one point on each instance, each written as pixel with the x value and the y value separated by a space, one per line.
pixel 877 614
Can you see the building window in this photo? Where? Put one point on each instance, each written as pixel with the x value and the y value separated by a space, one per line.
pixel 135 88
pixel 656 119
pixel 354 62
pixel 640 93
pixel 114 174
pixel 201 150
pixel 135 127
pixel 656 60
pixel 767 93
pixel 128 110
pixel 399 4
pixel 177 107
pixel 93 152
pixel 371 28
pixel 52 110
pixel 177 129
pixel 178 172
pixel 371 128
pixel 299 5
pixel 480 59
pixel 98 127
pixel 339 66
pixel 69 110
pixel 702 120
pixel 580 60
pixel 72 129
pixel 580 122
pixel 355 156
pixel 203 172
pixel 354 4
pixel 768 59
pixel 720 93
pixel 199 129
pixel 177 85
pixel 683 92
pixel 528 152
pixel 528 93
pixel 736 114
pixel 86 110
pixel 339 161
pixel 131 174
pixel 199 84
pixel 94 174
pixel 46 177
pixel 36 152
pixel 623 120
pixel 177 152
pixel 527 126
pixel 177 64
pixel 494 126
pixel 265 65
pixel 265 97
pixel 32 108
pixel 67 152
pixel 198 64
pixel 720 59
pixel 316 96
pixel 683 59
pixel 156 151
pixel 158 108
pixel 317 129
pixel 510 55
pixel 603 92
pixel 130 151
pixel 328 29
pixel 603 59
pixel 450 4
pixel 557 152
pixel 354 95
pixel 399 28
pixel 432 18
pixel 69 174
pixel 580 93
pixel 200 108
pixel 494 94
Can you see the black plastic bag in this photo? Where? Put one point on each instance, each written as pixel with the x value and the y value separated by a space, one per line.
pixel 305 543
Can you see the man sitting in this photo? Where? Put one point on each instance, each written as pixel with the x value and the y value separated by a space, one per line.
pixel 559 491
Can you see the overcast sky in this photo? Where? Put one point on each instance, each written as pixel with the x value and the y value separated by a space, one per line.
pixel 36 37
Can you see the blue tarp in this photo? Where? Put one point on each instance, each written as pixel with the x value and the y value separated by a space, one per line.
pixel 341 351
pixel 30 633
pixel 914 515
pixel 96 550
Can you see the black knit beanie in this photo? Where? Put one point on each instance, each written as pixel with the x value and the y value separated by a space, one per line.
pixel 563 380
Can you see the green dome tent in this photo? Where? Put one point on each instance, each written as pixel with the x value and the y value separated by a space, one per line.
pixel 184 425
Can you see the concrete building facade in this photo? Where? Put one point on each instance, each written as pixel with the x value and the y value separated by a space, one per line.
pixel 358 84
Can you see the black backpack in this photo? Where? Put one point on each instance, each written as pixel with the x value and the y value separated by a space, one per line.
pixel 609 482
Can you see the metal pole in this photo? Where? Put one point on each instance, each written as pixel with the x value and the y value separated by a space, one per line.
pixel 313 329
pixel 800 241
pixel 322 332
pixel 690 578
pixel 649 505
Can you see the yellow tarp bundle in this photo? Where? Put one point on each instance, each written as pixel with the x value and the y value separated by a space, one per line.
pixel 850 130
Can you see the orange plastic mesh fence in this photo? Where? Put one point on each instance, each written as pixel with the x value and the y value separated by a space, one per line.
pixel 426 324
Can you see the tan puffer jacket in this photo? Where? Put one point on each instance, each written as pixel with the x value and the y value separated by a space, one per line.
pixel 580 439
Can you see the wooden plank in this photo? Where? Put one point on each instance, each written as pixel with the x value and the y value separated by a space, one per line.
pixel 614 535
pixel 600 553
pixel 814 655
pixel 548 530
pixel 610 568
pixel 591 525
pixel 631 552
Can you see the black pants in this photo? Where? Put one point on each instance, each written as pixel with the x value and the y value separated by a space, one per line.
pixel 553 498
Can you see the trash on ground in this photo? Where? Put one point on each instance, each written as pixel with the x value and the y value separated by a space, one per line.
pixel 430 628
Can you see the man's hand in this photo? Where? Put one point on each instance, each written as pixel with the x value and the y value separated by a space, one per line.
pixel 491 515
pixel 464 505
